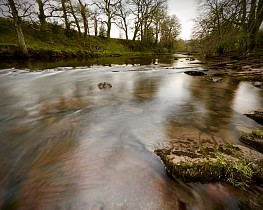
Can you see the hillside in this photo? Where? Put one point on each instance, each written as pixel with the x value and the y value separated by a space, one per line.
pixel 54 44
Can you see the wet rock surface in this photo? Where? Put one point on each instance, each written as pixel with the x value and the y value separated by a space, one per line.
pixel 209 159
pixel 257 116
pixel 254 139
pixel 195 73
pixel 238 68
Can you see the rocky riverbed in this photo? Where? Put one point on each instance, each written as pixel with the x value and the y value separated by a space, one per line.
pixel 238 68
pixel 208 159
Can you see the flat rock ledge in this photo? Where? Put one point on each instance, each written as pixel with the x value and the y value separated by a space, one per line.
pixel 254 139
pixel 205 165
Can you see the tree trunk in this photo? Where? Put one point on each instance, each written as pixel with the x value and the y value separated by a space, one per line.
pixel 65 16
pixel 108 13
pixel 17 20
pixel 135 32
pixel 95 25
pixel 126 34
pixel 75 17
pixel 84 17
pixel 41 15
pixel 254 22
pixel 109 27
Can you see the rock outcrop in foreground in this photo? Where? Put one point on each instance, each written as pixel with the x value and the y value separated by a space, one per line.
pixel 229 163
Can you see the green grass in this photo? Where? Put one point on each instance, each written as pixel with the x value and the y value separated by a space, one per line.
pixel 55 40
pixel 257 132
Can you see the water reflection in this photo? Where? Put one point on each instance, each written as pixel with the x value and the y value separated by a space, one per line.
pixel 104 61
pixel 66 144
pixel 248 98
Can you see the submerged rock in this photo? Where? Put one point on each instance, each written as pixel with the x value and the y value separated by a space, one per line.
pixel 195 73
pixel 104 85
pixel 258 84
pixel 216 79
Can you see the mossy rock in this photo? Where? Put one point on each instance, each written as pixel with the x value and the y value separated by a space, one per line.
pixel 206 168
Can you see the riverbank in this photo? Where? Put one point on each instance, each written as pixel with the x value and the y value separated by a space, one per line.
pixel 237 68
pixel 55 45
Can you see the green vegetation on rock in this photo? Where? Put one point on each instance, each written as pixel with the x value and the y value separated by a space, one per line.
pixel 224 163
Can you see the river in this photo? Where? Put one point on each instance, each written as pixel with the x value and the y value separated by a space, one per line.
pixel 66 144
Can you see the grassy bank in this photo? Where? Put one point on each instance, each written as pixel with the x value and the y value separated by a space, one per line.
pixel 54 44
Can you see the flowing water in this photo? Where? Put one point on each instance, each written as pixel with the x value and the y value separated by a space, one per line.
pixel 66 144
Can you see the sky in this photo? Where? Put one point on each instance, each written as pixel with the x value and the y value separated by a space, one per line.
pixel 186 11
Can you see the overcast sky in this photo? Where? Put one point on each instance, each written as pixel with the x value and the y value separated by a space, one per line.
pixel 186 11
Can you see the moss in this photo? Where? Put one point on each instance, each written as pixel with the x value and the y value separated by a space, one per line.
pixel 207 168
pixel 257 132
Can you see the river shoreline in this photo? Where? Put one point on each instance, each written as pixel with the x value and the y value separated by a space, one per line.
pixel 237 68
pixel 12 53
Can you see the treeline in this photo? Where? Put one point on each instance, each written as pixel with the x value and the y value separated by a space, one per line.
pixel 144 20
pixel 229 25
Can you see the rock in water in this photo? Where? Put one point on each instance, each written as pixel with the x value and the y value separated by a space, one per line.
pixel 104 85
pixel 195 73
pixel 254 139
pixel 205 165
pixel 256 116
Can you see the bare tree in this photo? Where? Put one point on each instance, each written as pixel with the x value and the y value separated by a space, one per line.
pixel 157 22
pixel 41 15
pixel 123 15
pixel 84 14
pixel 13 12
pixel 64 9
pixel 109 9
pixel 73 12
pixel 143 13
pixel 47 9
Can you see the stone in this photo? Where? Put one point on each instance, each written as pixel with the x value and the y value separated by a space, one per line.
pixel 256 116
pixel 225 163
pixel 104 85
pixel 254 139
pixel 195 73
